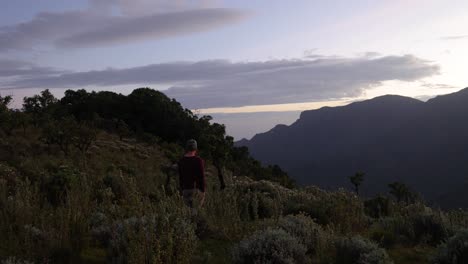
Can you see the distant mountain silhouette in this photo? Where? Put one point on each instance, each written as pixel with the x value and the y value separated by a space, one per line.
pixel 390 138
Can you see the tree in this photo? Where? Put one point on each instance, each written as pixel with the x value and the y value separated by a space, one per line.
pixel 4 102
pixel 7 123
pixel 357 180
pixel 38 105
pixel 402 192
pixel 47 99
pixel 60 133
pixel 23 120
pixel 122 129
pixel 84 136
pixel 218 145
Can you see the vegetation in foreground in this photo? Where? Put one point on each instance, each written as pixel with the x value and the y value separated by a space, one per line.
pixel 87 179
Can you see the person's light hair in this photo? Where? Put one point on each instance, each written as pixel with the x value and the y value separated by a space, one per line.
pixel 191 145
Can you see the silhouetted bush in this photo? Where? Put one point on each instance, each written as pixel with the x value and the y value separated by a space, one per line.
pixel 152 239
pixel 342 209
pixel 454 251
pixel 116 185
pixel 14 260
pixel 419 228
pixel 309 233
pixel 260 199
pixel 60 133
pixel 377 207
pixel 58 184
pixel 389 231
pixel 430 228
pixel 270 246
pixel 356 250
pixel 84 136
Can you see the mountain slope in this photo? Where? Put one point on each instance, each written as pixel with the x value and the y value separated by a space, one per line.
pixel 390 138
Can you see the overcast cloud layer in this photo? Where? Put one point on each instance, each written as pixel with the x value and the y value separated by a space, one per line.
pixel 154 27
pixel 454 37
pixel 115 22
pixel 22 69
pixel 221 83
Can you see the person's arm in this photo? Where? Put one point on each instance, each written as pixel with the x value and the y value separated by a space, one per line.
pixel 201 184
pixel 179 168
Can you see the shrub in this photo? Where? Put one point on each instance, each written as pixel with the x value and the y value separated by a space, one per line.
pixel 454 251
pixel 270 246
pixel 356 250
pixel 60 133
pixel 341 209
pixel 458 218
pixel 225 212
pixel 414 229
pixel 389 231
pixel 117 185
pixel 84 136
pixel 378 207
pixel 268 207
pixel 153 239
pixel 430 228
pixel 304 229
pixel 14 260
pixel 260 199
pixel 100 230
pixel 58 184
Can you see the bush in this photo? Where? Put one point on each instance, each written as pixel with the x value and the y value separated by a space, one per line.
pixel 356 250
pixel 454 251
pixel 389 231
pixel 305 230
pixel 419 228
pixel 430 228
pixel 378 207
pixel 13 260
pixel 116 185
pixel 260 199
pixel 58 184
pixel 270 246
pixel 154 239
pixel 341 209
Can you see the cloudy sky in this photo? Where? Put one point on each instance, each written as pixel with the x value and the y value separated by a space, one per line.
pixel 249 64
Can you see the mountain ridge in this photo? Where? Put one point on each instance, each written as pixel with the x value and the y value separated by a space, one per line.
pixel 391 138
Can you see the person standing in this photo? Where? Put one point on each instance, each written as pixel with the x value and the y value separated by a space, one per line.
pixel 192 175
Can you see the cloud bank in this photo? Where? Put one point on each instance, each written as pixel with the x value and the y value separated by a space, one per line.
pixel 454 37
pixel 22 69
pixel 117 21
pixel 222 83
pixel 153 27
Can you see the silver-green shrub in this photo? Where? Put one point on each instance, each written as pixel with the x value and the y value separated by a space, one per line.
pixel 357 250
pixel 264 198
pixel 389 231
pixel 270 246
pixel 305 230
pixel 151 239
pixel 14 260
pixel 341 209
pixel 430 228
pixel 417 228
pixel 454 251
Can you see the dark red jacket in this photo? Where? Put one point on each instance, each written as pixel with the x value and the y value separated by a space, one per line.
pixel 192 173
